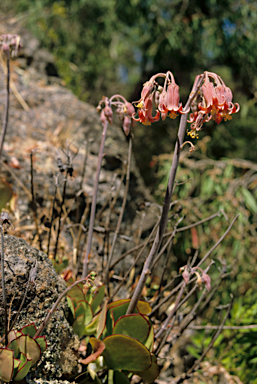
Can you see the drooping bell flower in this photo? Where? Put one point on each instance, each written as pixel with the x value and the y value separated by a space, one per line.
pixel 108 113
pixel 128 121
pixel 145 113
pixel 169 102
pixel 146 92
pixel 217 98
pixel 10 45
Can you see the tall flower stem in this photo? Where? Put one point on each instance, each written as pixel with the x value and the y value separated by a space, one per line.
pixel 6 113
pixel 3 287
pixel 93 207
pixel 166 205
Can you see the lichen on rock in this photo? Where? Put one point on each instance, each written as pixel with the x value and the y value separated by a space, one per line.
pixel 60 358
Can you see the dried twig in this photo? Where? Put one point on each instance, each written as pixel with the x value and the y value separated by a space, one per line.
pixel 93 206
pixel 122 209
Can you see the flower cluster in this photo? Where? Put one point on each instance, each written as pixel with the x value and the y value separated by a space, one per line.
pixel 212 101
pixel 10 45
pixel 165 100
pixel 202 277
pixel 215 103
pixel 124 110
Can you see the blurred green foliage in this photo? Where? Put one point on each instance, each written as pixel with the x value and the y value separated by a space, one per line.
pixel 204 187
pixel 236 350
pixel 109 46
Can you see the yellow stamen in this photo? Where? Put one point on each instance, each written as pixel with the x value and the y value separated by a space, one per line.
pixel 140 105
pixel 146 122
pixel 173 115
pixel 193 134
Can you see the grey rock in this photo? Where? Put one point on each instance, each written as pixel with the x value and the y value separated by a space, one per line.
pixel 60 358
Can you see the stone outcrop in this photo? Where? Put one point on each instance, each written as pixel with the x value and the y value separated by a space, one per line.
pixel 60 358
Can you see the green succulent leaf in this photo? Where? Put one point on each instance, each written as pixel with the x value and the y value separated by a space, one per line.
pixel 12 335
pixel 151 373
pixel 91 328
pixel 23 368
pixel 16 363
pixel 71 304
pixel 15 347
pixel 76 293
pixel 79 325
pixel 30 348
pixel 6 364
pixel 150 339
pixel 120 377
pixel 41 340
pixel 98 298
pixel 84 308
pixel 109 323
pixel 125 353
pixel 135 325
pixel 119 310
pixel 29 330
pixel 102 319
pixel 143 307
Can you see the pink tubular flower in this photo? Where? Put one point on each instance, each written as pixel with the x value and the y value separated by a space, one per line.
pixel 170 101
pixel 165 98
pixel 164 111
pixel 124 111
pixel 206 281
pixel 145 113
pixel 128 121
pixel 10 45
pixel 146 92
pixel 186 276
pixel 217 100
pixel 108 113
pixel 216 103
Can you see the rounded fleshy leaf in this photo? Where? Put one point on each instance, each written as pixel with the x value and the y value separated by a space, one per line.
pixel 29 330
pixel 135 325
pixel 120 377
pixel 151 373
pixel 91 328
pixel 98 348
pixel 12 335
pixel 98 298
pixel 71 304
pixel 79 325
pixel 30 348
pixel 15 347
pixel 23 368
pixel 119 310
pixel 143 307
pixel 102 320
pixel 150 339
pixel 76 293
pixel 118 302
pixel 41 340
pixel 109 323
pixel 84 308
pixel 125 353
pixel 6 364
